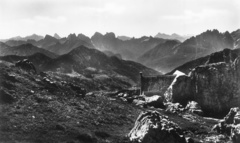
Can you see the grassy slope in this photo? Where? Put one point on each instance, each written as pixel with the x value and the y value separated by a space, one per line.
pixel 42 113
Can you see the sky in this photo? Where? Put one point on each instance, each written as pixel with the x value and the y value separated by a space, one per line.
pixel 133 18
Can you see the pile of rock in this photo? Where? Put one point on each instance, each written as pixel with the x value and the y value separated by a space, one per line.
pixel 230 125
pixel 152 127
pixel 132 96
pixel 194 107
pixel 174 108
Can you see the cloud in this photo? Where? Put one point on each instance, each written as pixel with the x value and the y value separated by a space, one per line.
pixel 124 17
pixel 193 17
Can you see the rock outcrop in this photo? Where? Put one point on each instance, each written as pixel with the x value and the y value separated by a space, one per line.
pixel 236 134
pixel 215 87
pixel 180 90
pixel 152 127
pixel 26 65
pixel 236 119
pixel 173 108
pixel 229 118
pixel 228 125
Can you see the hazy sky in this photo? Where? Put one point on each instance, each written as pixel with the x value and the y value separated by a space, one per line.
pixel 124 17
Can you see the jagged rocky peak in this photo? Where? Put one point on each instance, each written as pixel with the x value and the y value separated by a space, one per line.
pixel 124 38
pixel 236 34
pixel 56 36
pixel 49 37
pixel 222 56
pixel 83 37
pixel 110 35
pixel 33 37
pixel 97 35
pixel 72 37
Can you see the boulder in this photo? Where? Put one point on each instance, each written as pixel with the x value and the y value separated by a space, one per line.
pixel 26 65
pixel 236 119
pixel 138 102
pixel 180 90
pixel 229 118
pixel 216 86
pixel 127 93
pixel 155 101
pixel 226 124
pixel 194 107
pixel 152 127
pixel 235 135
pixel 223 128
pixel 173 108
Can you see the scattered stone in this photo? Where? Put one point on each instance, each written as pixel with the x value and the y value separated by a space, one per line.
pixel 223 128
pixel 138 102
pixel 152 127
pixel 229 118
pixel 193 107
pixel 235 135
pixel 156 101
pixel 237 118
pixel 90 94
pixel 216 139
pixel 173 108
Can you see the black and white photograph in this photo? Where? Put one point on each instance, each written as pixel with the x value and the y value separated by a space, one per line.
pixel 119 71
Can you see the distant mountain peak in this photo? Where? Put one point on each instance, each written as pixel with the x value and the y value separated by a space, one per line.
pixel 110 35
pixel 72 36
pixel 172 36
pixel 98 34
pixel 124 38
pixel 56 36
pixel 49 37
pixel 83 37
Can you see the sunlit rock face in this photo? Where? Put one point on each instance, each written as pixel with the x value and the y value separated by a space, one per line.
pixel 152 127
pixel 180 90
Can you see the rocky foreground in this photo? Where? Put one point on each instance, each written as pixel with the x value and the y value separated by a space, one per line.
pixel 46 107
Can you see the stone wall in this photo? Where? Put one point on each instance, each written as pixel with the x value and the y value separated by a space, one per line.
pixel 155 84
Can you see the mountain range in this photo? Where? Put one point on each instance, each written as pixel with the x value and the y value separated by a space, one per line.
pixel 30 37
pixel 173 36
pixel 160 54
pixel 24 50
pixel 173 54
pixel 87 62
pixel 128 49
